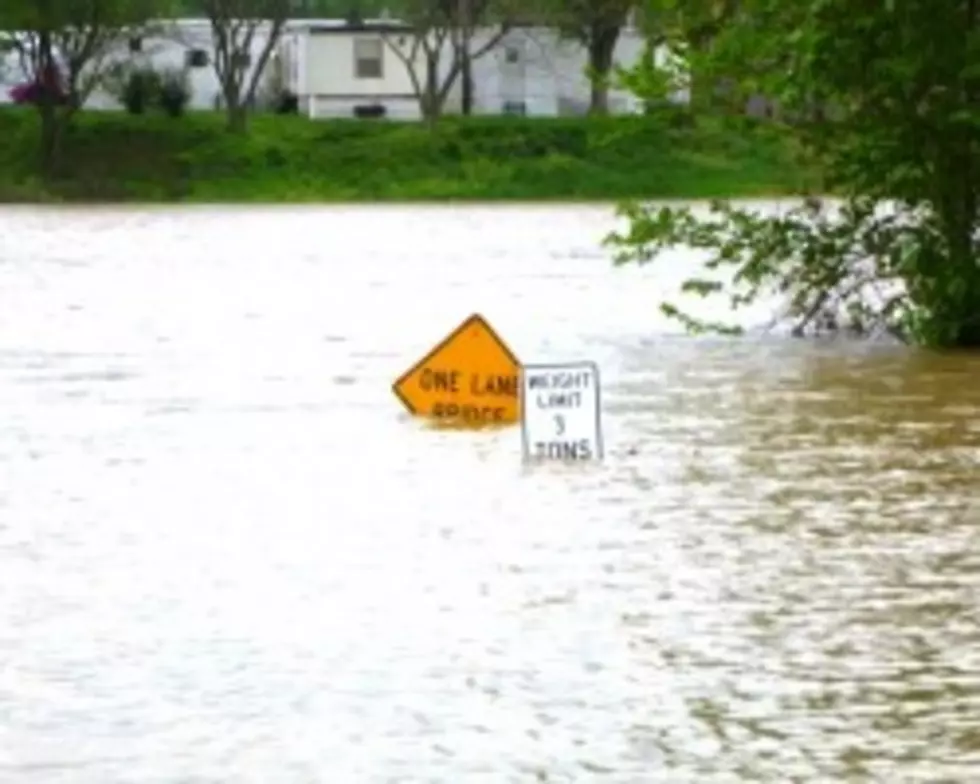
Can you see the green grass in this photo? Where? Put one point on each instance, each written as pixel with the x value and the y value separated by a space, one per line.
pixel 113 157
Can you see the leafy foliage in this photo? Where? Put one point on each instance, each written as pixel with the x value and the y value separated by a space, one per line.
pixel 885 98
pixel 140 90
pixel 65 49
pixel 175 92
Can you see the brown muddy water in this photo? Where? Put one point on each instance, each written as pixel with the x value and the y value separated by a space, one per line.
pixel 227 556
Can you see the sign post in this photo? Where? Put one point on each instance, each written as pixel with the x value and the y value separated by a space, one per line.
pixel 561 417
pixel 471 379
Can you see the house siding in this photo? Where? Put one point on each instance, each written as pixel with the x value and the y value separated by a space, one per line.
pixel 547 72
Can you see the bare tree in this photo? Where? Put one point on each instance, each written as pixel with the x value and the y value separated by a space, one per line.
pixel 65 48
pixel 440 49
pixel 236 28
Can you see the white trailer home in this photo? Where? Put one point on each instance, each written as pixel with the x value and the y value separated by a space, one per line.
pixel 187 46
pixel 349 69
pixel 536 71
pixel 341 69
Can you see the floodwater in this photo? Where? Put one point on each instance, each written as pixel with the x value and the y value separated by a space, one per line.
pixel 227 556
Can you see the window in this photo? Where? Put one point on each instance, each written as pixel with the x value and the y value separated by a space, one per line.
pixel 241 59
pixel 368 53
pixel 196 58
pixel 136 44
pixel 512 54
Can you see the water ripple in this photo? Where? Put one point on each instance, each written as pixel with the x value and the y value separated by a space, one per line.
pixel 227 556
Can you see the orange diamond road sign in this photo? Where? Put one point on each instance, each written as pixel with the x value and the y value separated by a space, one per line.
pixel 471 379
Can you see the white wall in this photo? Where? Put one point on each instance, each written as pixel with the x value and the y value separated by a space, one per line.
pixel 321 70
pixel 530 66
pixel 10 75
pixel 170 47
pixel 548 73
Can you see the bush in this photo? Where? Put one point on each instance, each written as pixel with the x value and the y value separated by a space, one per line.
pixel 286 102
pixel 111 155
pixel 174 92
pixel 140 90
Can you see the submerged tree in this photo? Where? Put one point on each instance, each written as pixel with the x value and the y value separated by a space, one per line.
pixel 884 98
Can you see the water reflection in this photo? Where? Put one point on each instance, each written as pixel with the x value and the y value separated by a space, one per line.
pixel 227 557
pixel 831 504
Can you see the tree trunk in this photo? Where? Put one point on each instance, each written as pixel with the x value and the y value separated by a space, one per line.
pixel 465 61
pixel 466 73
pixel 237 119
pixel 47 99
pixel 430 105
pixel 958 207
pixel 602 45
pixel 599 98
pixel 236 112
pixel 50 136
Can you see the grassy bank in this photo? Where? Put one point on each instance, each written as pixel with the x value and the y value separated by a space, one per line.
pixel 152 158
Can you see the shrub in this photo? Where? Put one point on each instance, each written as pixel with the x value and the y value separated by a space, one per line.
pixel 286 102
pixel 174 92
pixel 140 90
pixel 108 155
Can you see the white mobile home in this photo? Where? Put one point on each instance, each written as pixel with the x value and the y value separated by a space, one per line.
pixel 343 69
pixel 536 71
pixel 10 73
pixel 187 46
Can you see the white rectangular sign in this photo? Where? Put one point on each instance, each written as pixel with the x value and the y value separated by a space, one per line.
pixel 561 417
